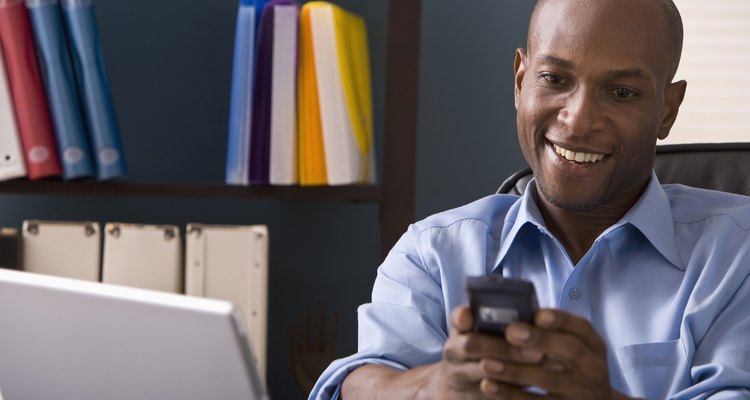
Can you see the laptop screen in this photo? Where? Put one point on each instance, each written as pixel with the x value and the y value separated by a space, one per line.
pixel 70 339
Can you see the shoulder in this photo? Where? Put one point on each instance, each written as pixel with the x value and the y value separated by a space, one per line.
pixel 490 211
pixel 698 206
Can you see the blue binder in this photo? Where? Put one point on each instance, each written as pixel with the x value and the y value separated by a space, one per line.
pixel 241 102
pixel 60 85
pixel 94 88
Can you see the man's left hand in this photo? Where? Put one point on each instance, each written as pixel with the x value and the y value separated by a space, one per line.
pixel 575 365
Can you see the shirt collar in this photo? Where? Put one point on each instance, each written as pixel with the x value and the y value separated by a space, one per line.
pixel 651 215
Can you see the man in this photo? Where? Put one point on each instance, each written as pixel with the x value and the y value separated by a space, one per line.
pixel 645 288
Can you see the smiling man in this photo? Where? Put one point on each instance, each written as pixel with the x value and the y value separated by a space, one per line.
pixel 644 288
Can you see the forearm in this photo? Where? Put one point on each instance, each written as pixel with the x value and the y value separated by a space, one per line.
pixel 380 382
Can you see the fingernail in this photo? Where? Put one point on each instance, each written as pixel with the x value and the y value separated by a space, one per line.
pixel 494 366
pixel 546 318
pixel 490 387
pixel 519 333
pixel 532 355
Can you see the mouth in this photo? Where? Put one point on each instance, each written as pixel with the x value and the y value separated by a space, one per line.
pixel 578 157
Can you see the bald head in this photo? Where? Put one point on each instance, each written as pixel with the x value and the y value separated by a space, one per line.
pixel 670 19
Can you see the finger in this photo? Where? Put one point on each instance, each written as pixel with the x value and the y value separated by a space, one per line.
pixel 475 346
pixel 523 375
pixel 317 339
pixel 572 324
pixel 561 347
pixel 500 390
pixel 466 374
pixel 462 319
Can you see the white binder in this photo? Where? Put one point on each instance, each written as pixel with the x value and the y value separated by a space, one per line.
pixel 143 256
pixel 62 248
pixel 283 169
pixel 231 263
pixel 11 156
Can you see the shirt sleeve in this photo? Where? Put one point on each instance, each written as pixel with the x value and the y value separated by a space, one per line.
pixel 405 324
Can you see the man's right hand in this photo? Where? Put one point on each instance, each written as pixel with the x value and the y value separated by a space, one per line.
pixel 458 375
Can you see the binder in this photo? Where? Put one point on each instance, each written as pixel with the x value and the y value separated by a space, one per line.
pixel 11 249
pixel 273 158
pixel 341 152
pixel 354 62
pixel 312 157
pixel 231 263
pixel 283 168
pixel 60 84
pixel 335 41
pixel 143 256
pixel 29 100
pixel 11 154
pixel 61 248
pixel 241 101
pixel 261 114
pixel 93 84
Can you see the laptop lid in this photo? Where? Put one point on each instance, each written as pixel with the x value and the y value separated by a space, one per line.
pixel 69 339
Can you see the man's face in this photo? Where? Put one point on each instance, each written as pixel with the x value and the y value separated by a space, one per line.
pixel 592 98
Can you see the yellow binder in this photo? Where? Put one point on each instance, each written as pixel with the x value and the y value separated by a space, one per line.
pixel 354 63
pixel 312 167
pixel 335 97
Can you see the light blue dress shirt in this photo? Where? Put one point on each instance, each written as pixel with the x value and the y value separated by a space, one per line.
pixel 667 288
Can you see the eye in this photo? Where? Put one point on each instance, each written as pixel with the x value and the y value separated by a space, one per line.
pixel 553 79
pixel 623 93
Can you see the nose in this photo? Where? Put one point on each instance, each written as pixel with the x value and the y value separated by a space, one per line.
pixel 581 113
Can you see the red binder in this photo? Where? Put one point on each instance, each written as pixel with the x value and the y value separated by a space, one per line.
pixel 29 100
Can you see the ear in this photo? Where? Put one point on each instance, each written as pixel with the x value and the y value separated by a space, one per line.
pixel 673 97
pixel 520 69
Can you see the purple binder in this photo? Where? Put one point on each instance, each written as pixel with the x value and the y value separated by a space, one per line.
pixel 260 139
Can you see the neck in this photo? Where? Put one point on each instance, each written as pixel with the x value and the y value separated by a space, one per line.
pixel 577 230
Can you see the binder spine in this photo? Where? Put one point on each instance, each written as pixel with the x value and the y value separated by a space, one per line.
pixel 59 81
pixel 11 155
pixel 195 261
pixel 258 297
pixel 240 106
pixel 94 87
pixel 32 114
pixel 283 131
pixel 261 124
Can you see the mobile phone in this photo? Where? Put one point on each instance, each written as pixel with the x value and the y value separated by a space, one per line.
pixel 496 302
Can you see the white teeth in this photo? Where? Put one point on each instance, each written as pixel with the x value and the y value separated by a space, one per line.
pixel 577 157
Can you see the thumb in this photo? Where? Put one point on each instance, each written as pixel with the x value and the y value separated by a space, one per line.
pixel 462 319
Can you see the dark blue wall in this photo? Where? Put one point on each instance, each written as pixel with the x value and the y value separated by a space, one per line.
pixel 170 66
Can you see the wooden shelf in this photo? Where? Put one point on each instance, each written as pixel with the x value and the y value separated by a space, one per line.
pixel 354 193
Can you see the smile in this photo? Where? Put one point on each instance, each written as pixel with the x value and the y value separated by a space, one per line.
pixel 578 156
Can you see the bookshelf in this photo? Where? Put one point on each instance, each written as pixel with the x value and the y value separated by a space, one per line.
pixel 395 193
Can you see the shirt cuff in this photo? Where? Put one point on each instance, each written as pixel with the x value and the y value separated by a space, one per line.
pixel 328 386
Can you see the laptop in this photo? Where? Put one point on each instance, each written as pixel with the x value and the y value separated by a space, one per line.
pixel 69 339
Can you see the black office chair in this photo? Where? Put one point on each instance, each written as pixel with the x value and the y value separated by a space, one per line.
pixel 717 166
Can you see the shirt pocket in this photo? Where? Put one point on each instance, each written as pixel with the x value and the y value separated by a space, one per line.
pixel 650 369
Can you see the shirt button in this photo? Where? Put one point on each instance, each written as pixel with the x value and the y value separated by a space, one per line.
pixel 575 293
